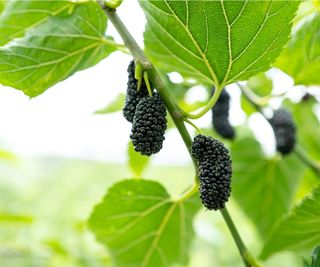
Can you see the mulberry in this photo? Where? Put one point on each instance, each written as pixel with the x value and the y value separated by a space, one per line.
pixel 215 171
pixel 133 95
pixel 284 130
pixel 149 125
pixel 220 116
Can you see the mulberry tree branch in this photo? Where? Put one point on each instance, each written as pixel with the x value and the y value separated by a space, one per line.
pixel 177 116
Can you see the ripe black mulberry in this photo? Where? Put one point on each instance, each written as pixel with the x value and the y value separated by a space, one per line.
pixel 215 171
pixel 220 116
pixel 284 130
pixel 149 125
pixel 133 95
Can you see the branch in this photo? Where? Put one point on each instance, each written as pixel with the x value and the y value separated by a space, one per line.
pixel 174 111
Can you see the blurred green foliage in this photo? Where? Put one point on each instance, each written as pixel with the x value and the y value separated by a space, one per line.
pixel 45 202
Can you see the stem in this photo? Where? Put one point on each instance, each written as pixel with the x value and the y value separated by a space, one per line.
pixel 128 40
pixel 146 79
pixel 193 125
pixel 173 109
pixel 236 237
pixel 313 164
pixel 207 107
pixel 189 193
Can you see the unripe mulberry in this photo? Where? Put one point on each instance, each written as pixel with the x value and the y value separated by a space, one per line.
pixel 149 125
pixel 133 95
pixel 220 116
pixel 215 171
pixel 284 130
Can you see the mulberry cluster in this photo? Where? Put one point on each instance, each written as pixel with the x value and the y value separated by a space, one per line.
pixel 215 171
pixel 220 116
pixel 284 130
pixel 149 125
pixel 133 95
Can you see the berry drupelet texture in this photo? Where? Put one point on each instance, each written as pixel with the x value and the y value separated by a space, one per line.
pixel 215 171
pixel 284 130
pixel 133 96
pixel 149 125
pixel 220 116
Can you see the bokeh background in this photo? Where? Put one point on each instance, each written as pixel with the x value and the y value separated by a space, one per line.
pixel 57 159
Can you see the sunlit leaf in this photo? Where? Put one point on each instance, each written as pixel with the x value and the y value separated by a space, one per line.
pixel 216 42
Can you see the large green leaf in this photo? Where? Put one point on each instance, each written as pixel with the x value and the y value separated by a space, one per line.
pixel 301 59
pixel 300 230
pixel 216 42
pixel 54 50
pixel 263 187
pixel 142 226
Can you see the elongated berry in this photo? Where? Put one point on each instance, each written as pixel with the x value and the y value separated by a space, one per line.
pixel 215 171
pixel 149 125
pixel 284 130
pixel 133 96
pixel 220 116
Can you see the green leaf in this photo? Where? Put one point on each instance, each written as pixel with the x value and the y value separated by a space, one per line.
pixel 246 106
pixel 142 226
pixel 216 42
pixel 316 257
pixel 56 49
pixel 260 84
pixel 298 231
pixel 20 16
pixel 264 187
pixel 301 59
pixel 114 106
pixel 136 161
